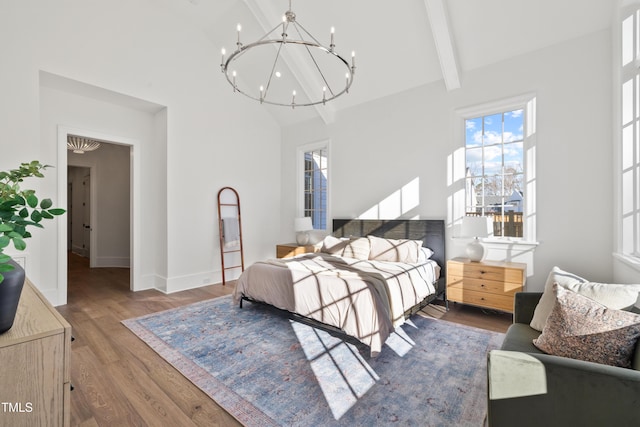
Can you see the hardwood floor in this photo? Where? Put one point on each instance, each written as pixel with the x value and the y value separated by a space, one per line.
pixel 119 381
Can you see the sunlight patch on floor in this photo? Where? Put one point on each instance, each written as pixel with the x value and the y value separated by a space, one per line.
pixel 399 341
pixel 434 311
pixel 342 373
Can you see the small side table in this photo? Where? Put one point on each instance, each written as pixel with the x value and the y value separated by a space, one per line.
pixel 287 250
pixel 490 284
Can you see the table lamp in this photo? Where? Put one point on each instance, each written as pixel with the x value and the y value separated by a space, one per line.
pixel 476 227
pixel 302 226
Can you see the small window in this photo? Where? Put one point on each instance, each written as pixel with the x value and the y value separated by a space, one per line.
pixel 494 181
pixel 315 187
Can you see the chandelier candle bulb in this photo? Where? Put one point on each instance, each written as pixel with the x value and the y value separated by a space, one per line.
pixel 332 45
pixel 234 80
pixel 239 28
pixel 261 94
pixel 324 95
pixel 223 51
pixel 353 60
pixel 293 100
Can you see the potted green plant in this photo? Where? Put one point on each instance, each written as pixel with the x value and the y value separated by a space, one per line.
pixel 19 210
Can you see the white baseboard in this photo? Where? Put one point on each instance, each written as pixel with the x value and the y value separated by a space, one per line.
pixel 154 282
pixel 79 250
pixel 120 262
pixel 193 281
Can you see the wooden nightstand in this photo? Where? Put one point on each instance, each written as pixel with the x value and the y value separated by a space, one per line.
pixel 490 284
pixel 287 250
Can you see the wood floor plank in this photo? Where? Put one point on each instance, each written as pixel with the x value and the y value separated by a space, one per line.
pixel 149 401
pixel 119 380
pixel 106 401
pixel 187 397
pixel 97 336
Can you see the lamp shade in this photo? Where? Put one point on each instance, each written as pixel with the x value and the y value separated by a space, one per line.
pixel 475 226
pixel 302 224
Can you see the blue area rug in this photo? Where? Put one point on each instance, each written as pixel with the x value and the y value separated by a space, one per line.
pixel 268 370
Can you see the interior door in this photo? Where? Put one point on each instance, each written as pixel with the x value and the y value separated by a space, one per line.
pixel 86 215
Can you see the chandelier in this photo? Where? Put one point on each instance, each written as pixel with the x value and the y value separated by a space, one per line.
pixel 79 145
pixel 261 63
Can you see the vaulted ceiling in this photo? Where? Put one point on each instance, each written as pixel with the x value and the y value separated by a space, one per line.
pixel 403 44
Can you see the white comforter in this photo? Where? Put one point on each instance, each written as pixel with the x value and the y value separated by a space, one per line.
pixel 365 299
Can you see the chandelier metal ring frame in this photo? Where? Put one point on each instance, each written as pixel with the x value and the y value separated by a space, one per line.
pixel 261 95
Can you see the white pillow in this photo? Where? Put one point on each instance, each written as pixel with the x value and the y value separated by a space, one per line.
pixel 616 296
pixel 548 299
pixel 357 248
pixel 333 245
pixel 394 250
pixel 424 255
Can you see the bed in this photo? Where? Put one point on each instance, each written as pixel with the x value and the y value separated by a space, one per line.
pixel 369 277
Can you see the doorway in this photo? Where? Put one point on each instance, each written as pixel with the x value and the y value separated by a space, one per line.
pixel 101 187
pixel 100 200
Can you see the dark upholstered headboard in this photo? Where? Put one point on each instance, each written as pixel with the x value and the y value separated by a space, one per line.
pixel 430 231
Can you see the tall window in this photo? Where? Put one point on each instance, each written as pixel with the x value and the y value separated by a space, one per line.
pixel 315 186
pixel 494 187
pixel 630 151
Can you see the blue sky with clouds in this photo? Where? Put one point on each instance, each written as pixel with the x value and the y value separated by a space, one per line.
pixel 501 136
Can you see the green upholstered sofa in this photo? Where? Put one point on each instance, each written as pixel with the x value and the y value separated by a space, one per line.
pixel 529 388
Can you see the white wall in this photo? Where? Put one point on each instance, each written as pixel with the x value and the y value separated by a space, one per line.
pixel 406 141
pixel 213 138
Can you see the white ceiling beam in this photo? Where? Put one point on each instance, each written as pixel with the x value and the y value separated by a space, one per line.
pixel 439 20
pixel 299 68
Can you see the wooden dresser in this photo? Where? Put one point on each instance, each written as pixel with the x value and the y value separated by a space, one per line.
pixel 288 250
pixel 34 365
pixel 490 284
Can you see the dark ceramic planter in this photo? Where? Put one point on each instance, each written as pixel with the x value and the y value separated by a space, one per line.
pixel 10 290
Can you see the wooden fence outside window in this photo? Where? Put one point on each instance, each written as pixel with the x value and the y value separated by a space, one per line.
pixel 508 224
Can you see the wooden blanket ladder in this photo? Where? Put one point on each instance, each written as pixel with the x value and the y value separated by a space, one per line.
pixel 230 227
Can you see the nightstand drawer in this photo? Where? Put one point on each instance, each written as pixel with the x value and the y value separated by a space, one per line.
pixel 486 271
pixel 490 286
pixel 481 299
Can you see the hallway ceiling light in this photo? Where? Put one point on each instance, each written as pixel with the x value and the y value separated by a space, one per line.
pixel 290 41
pixel 79 145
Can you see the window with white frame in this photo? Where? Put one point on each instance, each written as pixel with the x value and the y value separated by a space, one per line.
pixel 315 169
pixel 629 178
pixel 499 147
